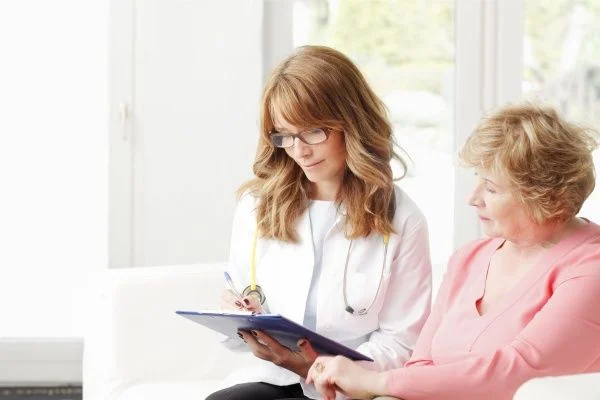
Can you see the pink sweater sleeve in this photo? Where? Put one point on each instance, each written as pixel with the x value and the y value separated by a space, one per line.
pixel 422 352
pixel 563 338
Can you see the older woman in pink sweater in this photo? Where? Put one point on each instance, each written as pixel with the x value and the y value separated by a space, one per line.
pixel 523 302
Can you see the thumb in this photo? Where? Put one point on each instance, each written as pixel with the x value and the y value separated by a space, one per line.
pixel 306 350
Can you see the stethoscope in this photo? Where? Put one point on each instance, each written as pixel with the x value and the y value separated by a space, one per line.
pixel 254 290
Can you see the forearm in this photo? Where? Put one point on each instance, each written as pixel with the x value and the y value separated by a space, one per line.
pixel 497 375
pixel 494 378
pixel 377 383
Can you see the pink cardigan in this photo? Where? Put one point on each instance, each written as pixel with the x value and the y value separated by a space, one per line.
pixel 548 324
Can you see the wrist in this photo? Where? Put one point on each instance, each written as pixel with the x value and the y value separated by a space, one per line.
pixel 302 372
pixel 299 368
pixel 379 383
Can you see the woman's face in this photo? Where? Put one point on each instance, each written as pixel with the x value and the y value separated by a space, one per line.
pixel 323 163
pixel 499 210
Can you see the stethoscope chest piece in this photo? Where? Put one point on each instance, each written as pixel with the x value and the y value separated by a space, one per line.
pixel 257 293
pixel 350 310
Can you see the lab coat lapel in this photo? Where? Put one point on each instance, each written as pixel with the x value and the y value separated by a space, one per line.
pixel 329 301
pixel 286 272
pixel 302 260
pixel 302 263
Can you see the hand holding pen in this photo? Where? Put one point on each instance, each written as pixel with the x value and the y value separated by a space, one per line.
pixel 232 299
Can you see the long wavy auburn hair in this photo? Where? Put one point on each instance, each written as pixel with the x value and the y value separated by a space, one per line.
pixel 320 87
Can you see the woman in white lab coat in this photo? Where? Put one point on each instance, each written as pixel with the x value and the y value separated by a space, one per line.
pixel 322 232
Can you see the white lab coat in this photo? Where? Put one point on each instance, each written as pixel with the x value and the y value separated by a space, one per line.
pixel 387 333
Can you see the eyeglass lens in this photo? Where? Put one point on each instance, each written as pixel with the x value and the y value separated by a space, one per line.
pixel 313 136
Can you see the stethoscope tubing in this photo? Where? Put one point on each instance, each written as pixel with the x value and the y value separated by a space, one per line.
pixel 364 311
pixel 256 290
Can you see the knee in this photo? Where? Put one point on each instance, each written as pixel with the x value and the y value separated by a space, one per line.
pixel 216 396
pixel 235 392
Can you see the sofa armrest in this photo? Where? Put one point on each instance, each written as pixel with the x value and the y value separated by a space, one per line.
pixel 580 387
pixel 134 336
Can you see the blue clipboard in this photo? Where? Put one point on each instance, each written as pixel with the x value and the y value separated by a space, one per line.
pixel 285 331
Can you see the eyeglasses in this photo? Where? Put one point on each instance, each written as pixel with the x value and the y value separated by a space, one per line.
pixel 311 136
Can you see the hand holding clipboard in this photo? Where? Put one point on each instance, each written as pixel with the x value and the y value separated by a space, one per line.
pixel 269 337
pixel 285 331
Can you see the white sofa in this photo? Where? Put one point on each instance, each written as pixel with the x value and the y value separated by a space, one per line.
pixel 137 348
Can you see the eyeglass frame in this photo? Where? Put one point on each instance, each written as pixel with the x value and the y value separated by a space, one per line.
pixel 326 131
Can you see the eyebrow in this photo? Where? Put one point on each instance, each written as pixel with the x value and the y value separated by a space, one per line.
pixel 280 130
pixel 492 182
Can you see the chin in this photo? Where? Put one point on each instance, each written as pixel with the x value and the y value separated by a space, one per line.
pixel 492 233
pixel 315 178
pixel 312 178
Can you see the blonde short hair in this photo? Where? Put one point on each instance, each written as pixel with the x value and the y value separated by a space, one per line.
pixel 547 159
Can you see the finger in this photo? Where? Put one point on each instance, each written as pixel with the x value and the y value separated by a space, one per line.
pixel 251 303
pixel 229 301
pixel 270 342
pixel 257 348
pixel 330 389
pixel 313 372
pixel 319 371
pixel 323 386
pixel 307 351
pixel 309 378
pixel 242 337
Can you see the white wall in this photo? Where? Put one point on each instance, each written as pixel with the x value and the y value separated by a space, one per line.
pixel 53 174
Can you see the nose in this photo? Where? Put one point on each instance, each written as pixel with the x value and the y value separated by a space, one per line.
pixel 475 199
pixel 301 149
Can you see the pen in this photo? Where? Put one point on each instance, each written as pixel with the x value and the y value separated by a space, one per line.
pixel 231 286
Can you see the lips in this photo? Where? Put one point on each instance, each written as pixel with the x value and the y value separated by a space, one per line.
pixel 312 165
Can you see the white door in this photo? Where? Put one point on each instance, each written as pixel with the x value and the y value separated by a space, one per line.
pixel 186 84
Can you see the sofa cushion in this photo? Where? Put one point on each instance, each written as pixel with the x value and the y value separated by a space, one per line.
pixel 580 387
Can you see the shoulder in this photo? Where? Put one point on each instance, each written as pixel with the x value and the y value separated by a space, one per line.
pixel 246 202
pixel 408 215
pixel 583 260
pixel 245 209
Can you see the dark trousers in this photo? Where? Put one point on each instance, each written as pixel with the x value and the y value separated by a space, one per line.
pixel 259 391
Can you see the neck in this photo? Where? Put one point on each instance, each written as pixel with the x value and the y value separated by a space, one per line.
pixel 324 191
pixel 542 237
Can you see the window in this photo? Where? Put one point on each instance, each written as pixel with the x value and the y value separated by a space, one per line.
pixel 561 67
pixel 413 73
